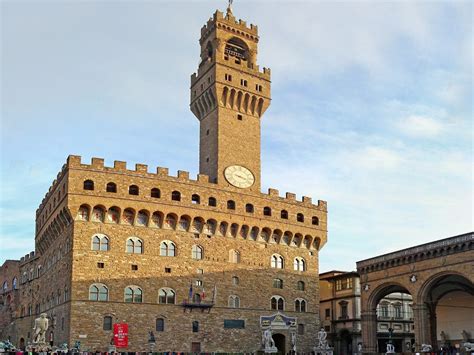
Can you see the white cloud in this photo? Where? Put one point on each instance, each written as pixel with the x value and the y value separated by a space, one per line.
pixel 421 126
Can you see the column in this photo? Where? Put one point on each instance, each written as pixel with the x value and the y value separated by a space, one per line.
pixel 421 315
pixel 369 331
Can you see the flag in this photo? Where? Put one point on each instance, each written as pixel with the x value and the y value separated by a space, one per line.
pixel 203 294
pixel 191 291
pixel 214 294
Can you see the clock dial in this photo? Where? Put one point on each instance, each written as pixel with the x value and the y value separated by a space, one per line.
pixel 239 176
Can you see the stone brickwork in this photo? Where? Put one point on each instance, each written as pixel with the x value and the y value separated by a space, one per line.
pixel 9 294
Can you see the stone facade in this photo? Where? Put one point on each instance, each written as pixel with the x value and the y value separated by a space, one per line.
pixel 9 294
pixel 110 240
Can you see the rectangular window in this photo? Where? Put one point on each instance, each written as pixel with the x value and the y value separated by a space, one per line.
pixel 328 313
pixel 195 326
pixel 200 271
pixel 198 282
pixel 300 329
pixel 195 347
pixel 134 267
pixel 327 328
pixel 160 325
pixel 100 265
pixel 228 77
pixel 168 270
pixel 107 323
pixel 234 324
pixel 239 117
pixel 338 285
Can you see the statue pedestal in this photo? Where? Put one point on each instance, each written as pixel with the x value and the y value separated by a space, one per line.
pixel 112 349
pixel 323 350
pixel 270 350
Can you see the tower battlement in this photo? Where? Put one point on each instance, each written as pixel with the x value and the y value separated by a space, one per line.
pixel 238 26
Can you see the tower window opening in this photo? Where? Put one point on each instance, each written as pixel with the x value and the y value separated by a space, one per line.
pixel 239 117
pixel 202 87
pixel 284 214
pixel 133 190
pixel 111 187
pixel 212 202
pixel 231 205
pixel 243 82
pixel 207 132
pixel 315 221
pixel 195 199
pixel 267 211
pixel 89 185
pixel 259 88
pixel 249 208
pixel 300 217
pixel 228 77
pixel 176 196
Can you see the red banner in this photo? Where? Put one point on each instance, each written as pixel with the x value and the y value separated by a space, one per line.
pixel 121 335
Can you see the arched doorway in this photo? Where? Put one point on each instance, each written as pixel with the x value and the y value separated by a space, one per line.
pixel 22 343
pixel 448 299
pixel 280 343
pixel 345 342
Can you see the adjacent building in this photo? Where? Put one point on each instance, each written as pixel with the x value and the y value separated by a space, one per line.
pixel 207 263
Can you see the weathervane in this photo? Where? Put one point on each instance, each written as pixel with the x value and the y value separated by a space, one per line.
pixel 229 6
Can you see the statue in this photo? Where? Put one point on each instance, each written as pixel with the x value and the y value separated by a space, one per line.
pixel 293 341
pixel 426 348
pixel 322 335
pixel 469 347
pixel 465 336
pixel 443 337
pixel 40 328
pixel 390 348
pixel 268 341
pixel 359 348
pixel 151 337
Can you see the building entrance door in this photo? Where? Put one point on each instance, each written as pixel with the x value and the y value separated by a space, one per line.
pixel 280 343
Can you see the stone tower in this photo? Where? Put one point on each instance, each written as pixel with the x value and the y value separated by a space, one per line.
pixel 229 95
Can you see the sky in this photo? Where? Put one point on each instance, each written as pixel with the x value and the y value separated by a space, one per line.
pixel 371 107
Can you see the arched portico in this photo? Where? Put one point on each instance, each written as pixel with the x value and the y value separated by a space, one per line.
pixel 428 272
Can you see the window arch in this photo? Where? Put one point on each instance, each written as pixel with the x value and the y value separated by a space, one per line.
pixel 284 214
pixel 249 208
pixel 197 252
pixel 111 187
pixel 212 202
pixel 107 323
pixel 98 214
pixel 299 264
pixel 267 211
pixel 167 248
pixel 277 283
pixel 176 196
pixel 166 296
pixel 133 294
pixel 83 213
pixel 300 286
pixel 235 280
pixel 234 256
pixel 155 192
pixel 277 261
pixel 134 245
pixel 315 221
pixel 300 217
pixel 278 303
pixel 133 190
pixel 88 185
pixel 113 215
pixel 98 292
pixel 231 205
pixel 100 242
pixel 234 301
pixel 300 305
pixel 142 218
pixel 196 199
pixel 160 325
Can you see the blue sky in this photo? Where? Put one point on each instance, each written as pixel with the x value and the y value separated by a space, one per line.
pixel 371 111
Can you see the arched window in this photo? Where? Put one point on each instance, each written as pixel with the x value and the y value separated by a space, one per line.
pixel 299 264
pixel 212 202
pixel 195 199
pixel 134 245
pixel 98 292
pixel 197 252
pixel 113 215
pixel 397 307
pixel 277 283
pixel 160 325
pixel 98 214
pixel 133 294
pixel 142 218
pixel 284 214
pixel 235 280
pixel 15 283
pixel 100 242
pixel 277 261
pixel 234 301
pixel 300 305
pixel 5 286
pixel 88 185
pixel 231 205
pixel 128 216
pixel 278 303
pixel 111 187
pixel 300 286
pixel 176 196
pixel 133 190
pixel 83 213
pixel 267 211
pixel 155 193
pixel 249 208
pixel 167 248
pixel 166 296
pixel 315 221
pixel 107 324
pixel 234 256
pixel 196 298
pixel 300 217
pixel 195 326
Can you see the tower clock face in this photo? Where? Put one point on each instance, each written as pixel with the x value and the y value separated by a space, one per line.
pixel 239 176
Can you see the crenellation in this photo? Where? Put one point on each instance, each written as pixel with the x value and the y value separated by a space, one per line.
pixel 290 196
pixel 273 192
pixel 141 168
pixel 97 163
pixel 203 178
pixel 163 172
pixel 183 175
pixel 74 161
pixel 120 165
pixel 307 200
